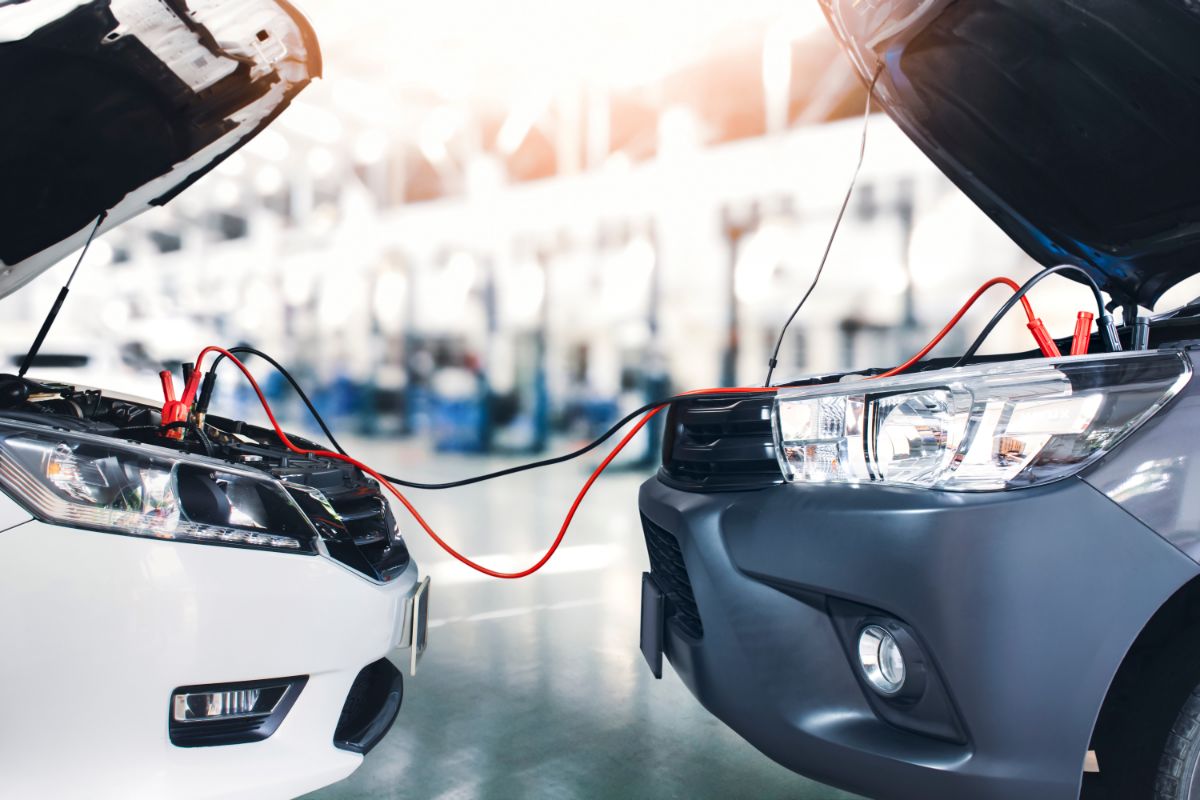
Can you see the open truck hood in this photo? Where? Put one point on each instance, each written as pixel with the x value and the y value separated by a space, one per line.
pixel 1074 124
pixel 113 106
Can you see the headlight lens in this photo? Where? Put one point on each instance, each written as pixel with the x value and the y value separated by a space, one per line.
pixel 86 481
pixel 976 428
pixel 914 435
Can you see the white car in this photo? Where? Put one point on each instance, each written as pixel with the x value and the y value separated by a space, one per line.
pixel 201 616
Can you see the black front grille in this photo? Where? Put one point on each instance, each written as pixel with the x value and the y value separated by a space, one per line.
pixel 356 524
pixel 720 444
pixel 371 531
pixel 670 573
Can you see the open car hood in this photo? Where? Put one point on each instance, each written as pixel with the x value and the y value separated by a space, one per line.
pixel 1074 124
pixel 113 106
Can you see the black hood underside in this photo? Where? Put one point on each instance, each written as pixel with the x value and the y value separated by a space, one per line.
pixel 110 108
pixel 1075 124
pixel 87 120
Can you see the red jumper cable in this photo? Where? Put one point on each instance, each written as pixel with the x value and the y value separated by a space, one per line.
pixel 1049 349
pixel 193 381
pixel 1083 333
pixel 562 531
pixel 177 410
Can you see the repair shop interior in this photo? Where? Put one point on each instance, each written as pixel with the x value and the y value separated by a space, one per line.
pixel 465 400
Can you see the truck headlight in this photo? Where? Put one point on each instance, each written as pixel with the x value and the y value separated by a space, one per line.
pixel 978 428
pixel 87 481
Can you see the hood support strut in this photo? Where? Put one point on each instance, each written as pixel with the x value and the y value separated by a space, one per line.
pixel 58 303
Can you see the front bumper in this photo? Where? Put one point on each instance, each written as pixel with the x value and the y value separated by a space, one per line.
pixel 99 629
pixel 1024 604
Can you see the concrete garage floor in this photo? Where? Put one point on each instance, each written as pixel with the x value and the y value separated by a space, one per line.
pixel 536 688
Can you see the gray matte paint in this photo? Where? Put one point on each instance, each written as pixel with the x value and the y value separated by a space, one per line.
pixel 1025 601
pixel 1155 473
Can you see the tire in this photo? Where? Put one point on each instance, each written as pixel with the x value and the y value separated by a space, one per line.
pixel 1179 768
pixel 1147 737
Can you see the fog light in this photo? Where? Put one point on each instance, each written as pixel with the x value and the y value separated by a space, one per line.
pixel 231 713
pixel 881 660
pixel 224 705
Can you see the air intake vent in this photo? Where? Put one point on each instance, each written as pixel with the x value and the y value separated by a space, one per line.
pixel 371 707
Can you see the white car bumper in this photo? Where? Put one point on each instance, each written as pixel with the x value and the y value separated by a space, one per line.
pixel 99 629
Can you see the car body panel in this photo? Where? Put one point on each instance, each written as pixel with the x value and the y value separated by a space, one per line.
pixel 11 513
pixel 1155 474
pixel 100 629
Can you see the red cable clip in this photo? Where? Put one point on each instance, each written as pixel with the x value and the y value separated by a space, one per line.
pixel 172 409
pixel 190 389
pixel 1083 333
pixel 1049 348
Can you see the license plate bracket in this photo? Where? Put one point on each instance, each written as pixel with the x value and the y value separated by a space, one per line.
pixel 418 624
pixel 654 619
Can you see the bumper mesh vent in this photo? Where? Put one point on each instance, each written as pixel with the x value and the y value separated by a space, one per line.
pixel 670 573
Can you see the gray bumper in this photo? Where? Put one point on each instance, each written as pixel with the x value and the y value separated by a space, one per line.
pixel 1023 603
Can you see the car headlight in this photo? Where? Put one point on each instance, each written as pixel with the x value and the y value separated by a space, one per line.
pixel 986 427
pixel 87 481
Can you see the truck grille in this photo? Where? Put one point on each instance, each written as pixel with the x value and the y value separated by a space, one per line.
pixel 720 444
pixel 670 573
